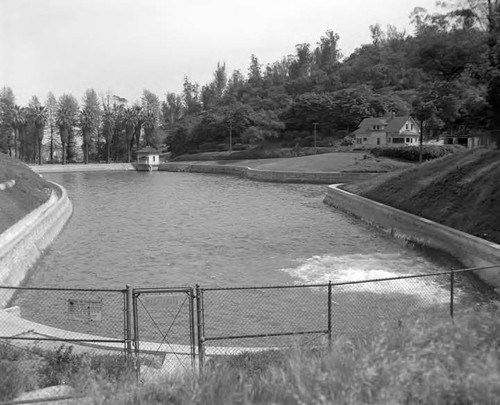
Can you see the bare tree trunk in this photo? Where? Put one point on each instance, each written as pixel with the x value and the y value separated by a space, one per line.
pixel 86 153
pixel 16 131
pixel 40 152
pixel 63 153
pixel 108 151
pixel 51 144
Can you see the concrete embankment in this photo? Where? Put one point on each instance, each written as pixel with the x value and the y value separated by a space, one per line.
pixel 80 167
pixel 268 175
pixel 22 244
pixel 468 249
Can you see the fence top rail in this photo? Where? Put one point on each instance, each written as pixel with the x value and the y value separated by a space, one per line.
pixel 117 290
pixel 374 280
pixel 160 290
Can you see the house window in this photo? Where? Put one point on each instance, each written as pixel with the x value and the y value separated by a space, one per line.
pixel 407 140
pixel 364 139
pixel 407 126
pixel 398 140
pixel 378 141
pixel 154 158
pixel 412 127
pixel 358 140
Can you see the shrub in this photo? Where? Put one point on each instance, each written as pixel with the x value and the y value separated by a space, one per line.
pixel 412 153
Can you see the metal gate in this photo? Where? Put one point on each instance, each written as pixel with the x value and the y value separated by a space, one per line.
pixel 164 334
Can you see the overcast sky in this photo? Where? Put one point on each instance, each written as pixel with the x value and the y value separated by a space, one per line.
pixel 124 46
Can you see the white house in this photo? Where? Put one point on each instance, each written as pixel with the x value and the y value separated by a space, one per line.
pixel 387 131
pixel 148 159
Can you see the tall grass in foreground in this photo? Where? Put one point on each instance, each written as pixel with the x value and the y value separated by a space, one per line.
pixel 430 361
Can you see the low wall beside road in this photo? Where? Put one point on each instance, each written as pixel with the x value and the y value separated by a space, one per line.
pixel 468 249
pixel 268 175
pixel 23 243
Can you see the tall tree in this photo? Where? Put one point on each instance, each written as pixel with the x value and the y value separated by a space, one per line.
pixel 51 108
pixel 107 128
pixel 93 109
pixel 191 97
pixel 139 121
pixel 130 122
pixel 254 71
pixel 66 115
pixel 151 105
pixel 87 124
pixel 17 123
pixel 7 102
pixel 40 121
pixel 172 109
pixel 149 128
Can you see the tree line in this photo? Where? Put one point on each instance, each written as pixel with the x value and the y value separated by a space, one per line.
pixel 446 74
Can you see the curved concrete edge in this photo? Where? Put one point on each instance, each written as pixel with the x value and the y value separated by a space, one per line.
pixel 81 167
pixel 268 175
pixel 468 249
pixel 24 243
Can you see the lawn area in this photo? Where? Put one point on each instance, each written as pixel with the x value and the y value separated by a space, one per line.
pixel 325 162
pixel 460 190
pixel 29 192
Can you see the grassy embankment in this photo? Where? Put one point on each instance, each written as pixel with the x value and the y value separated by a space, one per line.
pixel 424 362
pixel 460 190
pixel 29 192
pixel 325 162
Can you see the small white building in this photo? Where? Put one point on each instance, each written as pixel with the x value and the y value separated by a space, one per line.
pixel 387 131
pixel 148 159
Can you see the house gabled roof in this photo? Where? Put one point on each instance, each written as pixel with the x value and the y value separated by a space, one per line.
pixel 390 124
pixel 148 150
pixel 368 123
pixel 396 123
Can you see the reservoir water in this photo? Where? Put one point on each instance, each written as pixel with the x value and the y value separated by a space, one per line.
pixel 151 229
pixel 169 229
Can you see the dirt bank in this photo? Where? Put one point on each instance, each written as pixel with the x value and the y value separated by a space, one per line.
pixel 28 193
pixel 461 191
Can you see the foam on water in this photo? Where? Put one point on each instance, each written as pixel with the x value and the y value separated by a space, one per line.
pixel 364 267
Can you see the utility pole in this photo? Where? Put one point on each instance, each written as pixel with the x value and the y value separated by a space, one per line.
pixel 315 124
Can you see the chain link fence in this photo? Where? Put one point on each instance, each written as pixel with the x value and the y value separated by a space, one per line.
pixel 49 332
pixel 246 319
pixel 178 328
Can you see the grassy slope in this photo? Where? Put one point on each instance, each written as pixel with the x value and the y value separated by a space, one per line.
pixel 326 162
pixel 460 190
pixel 425 361
pixel 29 192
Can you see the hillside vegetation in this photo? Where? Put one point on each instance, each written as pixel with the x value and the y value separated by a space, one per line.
pixel 29 192
pixel 461 190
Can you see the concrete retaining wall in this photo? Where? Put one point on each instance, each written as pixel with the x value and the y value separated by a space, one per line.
pixel 470 250
pixel 80 167
pixel 268 175
pixel 23 243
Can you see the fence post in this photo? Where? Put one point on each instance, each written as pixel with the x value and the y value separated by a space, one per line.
pixel 129 320
pixel 199 316
pixel 452 287
pixel 136 335
pixel 329 314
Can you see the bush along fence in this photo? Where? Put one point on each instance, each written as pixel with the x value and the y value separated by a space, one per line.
pixel 176 329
